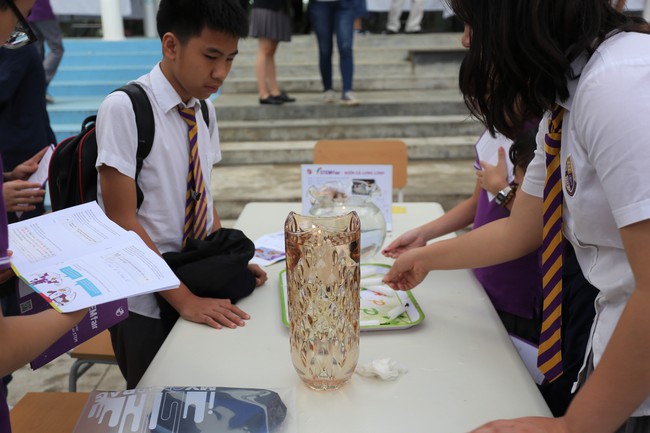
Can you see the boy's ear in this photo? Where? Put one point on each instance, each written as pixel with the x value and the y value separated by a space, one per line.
pixel 169 45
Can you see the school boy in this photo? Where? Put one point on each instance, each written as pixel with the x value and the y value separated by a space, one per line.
pixel 199 43
pixel 587 68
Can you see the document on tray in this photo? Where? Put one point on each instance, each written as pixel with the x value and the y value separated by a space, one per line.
pixel 76 258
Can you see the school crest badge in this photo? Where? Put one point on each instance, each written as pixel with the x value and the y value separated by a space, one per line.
pixel 570 180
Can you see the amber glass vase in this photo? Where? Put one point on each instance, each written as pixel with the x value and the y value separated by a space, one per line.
pixel 323 295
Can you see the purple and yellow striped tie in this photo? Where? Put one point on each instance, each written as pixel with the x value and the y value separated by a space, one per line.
pixel 549 357
pixel 196 206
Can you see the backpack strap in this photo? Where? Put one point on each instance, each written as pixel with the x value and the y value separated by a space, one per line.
pixel 145 123
pixel 205 112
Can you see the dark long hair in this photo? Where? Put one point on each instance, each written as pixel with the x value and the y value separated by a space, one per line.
pixel 521 53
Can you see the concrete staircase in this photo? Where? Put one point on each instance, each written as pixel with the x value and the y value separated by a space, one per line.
pixel 407 85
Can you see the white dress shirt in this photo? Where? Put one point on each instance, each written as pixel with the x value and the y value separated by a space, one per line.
pixel 163 178
pixel 605 157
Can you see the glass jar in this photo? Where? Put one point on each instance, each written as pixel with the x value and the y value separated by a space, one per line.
pixel 323 297
pixel 331 200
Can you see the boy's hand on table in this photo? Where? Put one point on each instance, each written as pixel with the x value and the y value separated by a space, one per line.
pixel 260 274
pixel 216 313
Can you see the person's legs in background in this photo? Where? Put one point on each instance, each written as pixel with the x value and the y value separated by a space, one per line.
pixel 394 14
pixel 49 32
pixel 321 16
pixel 413 24
pixel 267 83
pixel 344 39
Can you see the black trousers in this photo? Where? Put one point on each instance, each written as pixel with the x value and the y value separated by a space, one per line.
pixel 136 341
pixel 578 313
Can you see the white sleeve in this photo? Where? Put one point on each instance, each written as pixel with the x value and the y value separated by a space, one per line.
pixel 117 134
pixel 612 117
pixel 215 145
pixel 536 172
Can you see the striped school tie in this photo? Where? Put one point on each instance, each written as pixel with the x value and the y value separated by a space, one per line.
pixel 549 357
pixel 196 206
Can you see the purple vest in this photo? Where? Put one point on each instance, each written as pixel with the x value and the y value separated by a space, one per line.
pixel 514 287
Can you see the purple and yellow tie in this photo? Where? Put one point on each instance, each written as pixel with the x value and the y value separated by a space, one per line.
pixel 196 206
pixel 549 357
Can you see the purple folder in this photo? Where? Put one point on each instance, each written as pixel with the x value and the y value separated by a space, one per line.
pixel 98 319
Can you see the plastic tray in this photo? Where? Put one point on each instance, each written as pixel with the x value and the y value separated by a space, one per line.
pixel 374 306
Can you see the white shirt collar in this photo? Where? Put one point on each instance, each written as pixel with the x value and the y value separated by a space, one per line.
pixel 577 67
pixel 165 94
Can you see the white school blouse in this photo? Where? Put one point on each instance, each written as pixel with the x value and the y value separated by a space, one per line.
pixel 163 178
pixel 605 161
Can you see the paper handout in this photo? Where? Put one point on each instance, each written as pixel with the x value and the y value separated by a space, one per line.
pixel 76 258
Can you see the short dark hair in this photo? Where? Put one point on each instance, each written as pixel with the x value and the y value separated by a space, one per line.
pixel 187 18
pixel 521 52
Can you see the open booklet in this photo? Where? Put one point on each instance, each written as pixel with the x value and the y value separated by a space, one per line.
pixel 76 258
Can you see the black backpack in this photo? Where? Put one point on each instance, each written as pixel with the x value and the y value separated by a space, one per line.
pixel 72 173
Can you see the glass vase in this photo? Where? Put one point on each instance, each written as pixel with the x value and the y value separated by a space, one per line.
pixel 323 297
pixel 334 199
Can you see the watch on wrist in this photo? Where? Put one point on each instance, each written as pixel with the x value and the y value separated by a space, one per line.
pixel 504 196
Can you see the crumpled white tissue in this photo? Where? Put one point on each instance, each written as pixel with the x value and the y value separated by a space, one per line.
pixel 384 368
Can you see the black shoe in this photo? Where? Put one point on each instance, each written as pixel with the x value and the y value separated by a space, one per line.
pixel 284 97
pixel 390 32
pixel 271 100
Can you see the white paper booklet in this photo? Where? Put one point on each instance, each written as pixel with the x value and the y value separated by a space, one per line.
pixel 487 150
pixel 41 173
pixel 269 249
pixel 76 258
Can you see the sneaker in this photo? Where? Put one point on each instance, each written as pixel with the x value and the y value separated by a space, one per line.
pixel 350 99
pixel 329 96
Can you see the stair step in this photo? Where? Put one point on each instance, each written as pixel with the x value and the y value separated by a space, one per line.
pixel 349 127
pixel 232 106
pixel 308 83
pixel 302 152
pixel 342 128
pixel 442 41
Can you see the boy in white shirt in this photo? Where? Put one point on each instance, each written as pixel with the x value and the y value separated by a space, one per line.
pixel 199 43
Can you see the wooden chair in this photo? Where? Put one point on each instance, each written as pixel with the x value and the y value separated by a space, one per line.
pixel 97 350
pixel 393 152
pixel 47 412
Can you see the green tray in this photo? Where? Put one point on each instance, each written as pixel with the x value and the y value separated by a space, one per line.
pixel 374 306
